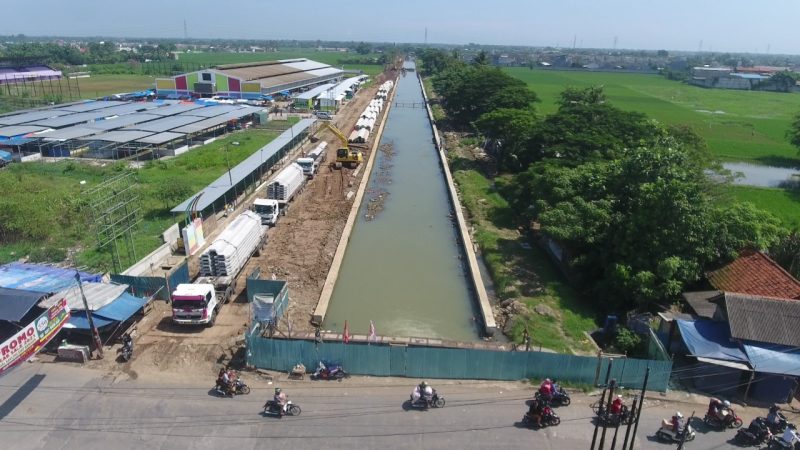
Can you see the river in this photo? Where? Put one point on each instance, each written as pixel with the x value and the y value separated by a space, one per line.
pixel 403 268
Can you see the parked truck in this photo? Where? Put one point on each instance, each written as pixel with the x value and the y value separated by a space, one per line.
pixel 311 162
pixel 199 303
pixel 286 184
pixel 268 209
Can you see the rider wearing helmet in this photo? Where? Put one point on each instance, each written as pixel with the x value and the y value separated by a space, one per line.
pixel 546 388
pixel 280 400
pixel 425 391
pixel 616 405
pixel 773 417
pixel 677 422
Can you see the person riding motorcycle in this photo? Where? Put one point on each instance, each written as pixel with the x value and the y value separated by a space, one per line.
pixel 774 417
pixel 759 428
pixel 280 400
pixel 677 422
pixel 422 391
pixel 535 412
pixel 790 436
pixel 546 389
pixel 616 406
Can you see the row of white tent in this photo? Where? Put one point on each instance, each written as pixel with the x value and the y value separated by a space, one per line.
pixel 369 116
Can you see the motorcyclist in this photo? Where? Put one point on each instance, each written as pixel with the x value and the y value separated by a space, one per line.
pixel 546 389
pixel 724 410
pixel 535 412
pixel 677 422
pixel 790 436
pixel 616 405
pixel 713 406
pixel 425 391
pixel 225 379
pixel 774 417
pixel 280 400
pixel 758 428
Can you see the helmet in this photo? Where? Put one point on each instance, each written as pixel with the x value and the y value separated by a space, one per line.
pixel 727 404
pixel 424 384
pixel 619 397
pixel 547 380
pixel 277 390
pixel 678 414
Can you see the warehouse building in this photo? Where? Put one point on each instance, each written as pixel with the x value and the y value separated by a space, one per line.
pixel 250 80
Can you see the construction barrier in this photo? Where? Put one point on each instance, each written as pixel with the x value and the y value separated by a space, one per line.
pixel 155 287
pixel 380 359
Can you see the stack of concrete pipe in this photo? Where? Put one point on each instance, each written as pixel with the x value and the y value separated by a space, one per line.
pixel 230 251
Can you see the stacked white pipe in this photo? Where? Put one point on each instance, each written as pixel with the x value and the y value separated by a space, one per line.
pixel 318 153
pixel 283 187
pixel 230 251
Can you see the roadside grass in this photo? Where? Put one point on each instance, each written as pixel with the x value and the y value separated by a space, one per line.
pixel 40 191
pixel 782 203
pixel 525 274
pixel 737 125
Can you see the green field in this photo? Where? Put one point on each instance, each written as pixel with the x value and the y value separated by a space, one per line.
pixel 738 125
pixel 783 204
pixel 41 201
pixel 332 58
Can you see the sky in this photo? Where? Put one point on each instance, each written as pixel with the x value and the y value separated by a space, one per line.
pixel 767 26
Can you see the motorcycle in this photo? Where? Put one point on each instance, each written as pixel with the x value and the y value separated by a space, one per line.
pixel 560 398
pixel 666 433
pixel 126 352
pixel 549 418
pixel 779 426
pixel 239 388
pixel 329 372
pixel 273 408
pixel 609 419
pixel 729 419
pixel 756 434
pixel 428 401
pixel 778 443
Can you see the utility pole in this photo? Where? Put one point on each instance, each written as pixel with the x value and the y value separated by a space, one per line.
pixel 628 428
pixel 641 402
pixel 602 401
pixel 608 408
pixel 95 335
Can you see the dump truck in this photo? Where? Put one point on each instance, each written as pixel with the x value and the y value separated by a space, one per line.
pixel 198 303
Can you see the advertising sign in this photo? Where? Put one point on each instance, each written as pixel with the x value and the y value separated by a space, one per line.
pixel 32 338
pixel 193 237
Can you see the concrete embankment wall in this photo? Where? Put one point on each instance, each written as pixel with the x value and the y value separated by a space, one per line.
pixel 466 240
pixel 338 257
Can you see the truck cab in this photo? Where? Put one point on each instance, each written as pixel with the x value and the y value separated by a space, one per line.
pixel 268 209
pixel 309 165
pixel 194 304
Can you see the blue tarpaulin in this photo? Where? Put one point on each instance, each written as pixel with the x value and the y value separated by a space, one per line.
pixel 40 278
pixel 14 303
pixel 773 358
pixel 709 339
pixel 119 310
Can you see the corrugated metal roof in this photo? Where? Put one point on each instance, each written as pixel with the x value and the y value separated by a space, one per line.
pixel 122 121
pixel 211 111
pixel 313 92
pixel 221 185
pixel 303 64
pixel 97 295
pixel 165 123
pixel 31 116
pixel 161 138
pixel 18 130
pixel 211 122
pixel 66 133
pixel 176 108
pixel 701 303
pixel 90 105
pixel 118 136
pixel 72 119
pixel 763 319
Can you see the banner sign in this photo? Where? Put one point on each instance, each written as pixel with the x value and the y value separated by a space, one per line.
pixel 32 338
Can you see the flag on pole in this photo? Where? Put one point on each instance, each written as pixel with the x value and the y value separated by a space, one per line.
pixel 346 335
pixel 372 335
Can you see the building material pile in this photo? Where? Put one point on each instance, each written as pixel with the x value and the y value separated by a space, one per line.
pixel 231 250
pixel 369 116
pixel 286 184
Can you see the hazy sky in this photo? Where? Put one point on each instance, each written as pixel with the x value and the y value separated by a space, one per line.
pixel 721 25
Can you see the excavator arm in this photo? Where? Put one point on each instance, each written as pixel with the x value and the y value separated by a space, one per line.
pixel 345 154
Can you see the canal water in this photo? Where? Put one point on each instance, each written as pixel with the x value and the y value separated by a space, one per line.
pixel 762 176
pixel 403 267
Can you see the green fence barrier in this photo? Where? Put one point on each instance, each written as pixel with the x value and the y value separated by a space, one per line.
pixel 436 362
pixel 159 287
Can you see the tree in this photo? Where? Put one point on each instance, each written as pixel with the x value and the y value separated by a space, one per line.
pixel 793 134
pixel 481 59
pixel 509 129
pixel 363 48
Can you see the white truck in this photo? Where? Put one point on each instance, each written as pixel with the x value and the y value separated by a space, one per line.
pixel 311 162
pixel 198 303
pixel 286 184
pixel 268 209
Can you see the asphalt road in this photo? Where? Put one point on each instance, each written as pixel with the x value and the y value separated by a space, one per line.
pixel 55 406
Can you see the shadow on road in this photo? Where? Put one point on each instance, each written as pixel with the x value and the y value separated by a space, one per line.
pixel 18 397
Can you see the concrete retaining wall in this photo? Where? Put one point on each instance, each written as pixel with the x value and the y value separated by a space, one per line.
pixel 148 262
pixel 466 240
pixel 338 257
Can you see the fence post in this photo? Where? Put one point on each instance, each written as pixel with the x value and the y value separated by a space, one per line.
pixel 599 362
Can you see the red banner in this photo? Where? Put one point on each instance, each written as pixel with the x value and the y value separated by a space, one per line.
pixel 32 338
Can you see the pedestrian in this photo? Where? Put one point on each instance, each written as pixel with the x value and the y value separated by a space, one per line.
pixel 526 339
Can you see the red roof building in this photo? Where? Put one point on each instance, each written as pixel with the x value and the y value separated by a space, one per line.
pixel 755 273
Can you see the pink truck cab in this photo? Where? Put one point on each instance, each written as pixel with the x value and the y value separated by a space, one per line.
pixel 194 304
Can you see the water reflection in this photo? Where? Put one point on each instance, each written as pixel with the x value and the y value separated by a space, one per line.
pixel 747 174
